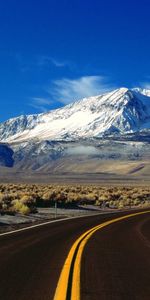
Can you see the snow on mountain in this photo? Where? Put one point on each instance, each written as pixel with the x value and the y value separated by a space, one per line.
pixel 118 112
pixel 144 92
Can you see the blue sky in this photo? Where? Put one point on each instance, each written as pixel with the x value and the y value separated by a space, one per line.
pixel 53 52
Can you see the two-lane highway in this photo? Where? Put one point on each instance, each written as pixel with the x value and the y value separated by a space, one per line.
pixel 31 261
pixel 116 262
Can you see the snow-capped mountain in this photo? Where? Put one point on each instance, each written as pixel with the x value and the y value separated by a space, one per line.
pixel 118 112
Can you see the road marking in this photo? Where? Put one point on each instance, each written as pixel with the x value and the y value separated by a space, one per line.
pixel 58 220
pixel 68 287
pixel 52 221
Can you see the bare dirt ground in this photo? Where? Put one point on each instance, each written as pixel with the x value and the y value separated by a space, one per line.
pixel 72 178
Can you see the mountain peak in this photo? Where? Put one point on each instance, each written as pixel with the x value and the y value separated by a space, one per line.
pixel 123 89
pixel 120 111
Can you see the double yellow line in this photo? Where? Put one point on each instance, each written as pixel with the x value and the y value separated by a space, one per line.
pixel 68 287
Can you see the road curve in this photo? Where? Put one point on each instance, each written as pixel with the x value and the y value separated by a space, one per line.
pixel 31 261
pixel 116 262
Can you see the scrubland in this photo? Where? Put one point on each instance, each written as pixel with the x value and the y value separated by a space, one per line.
pixel 25 198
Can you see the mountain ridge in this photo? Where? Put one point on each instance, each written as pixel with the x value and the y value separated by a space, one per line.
pixel 117 112
pixel 114 126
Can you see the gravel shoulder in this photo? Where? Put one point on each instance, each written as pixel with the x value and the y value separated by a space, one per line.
pixel 17 221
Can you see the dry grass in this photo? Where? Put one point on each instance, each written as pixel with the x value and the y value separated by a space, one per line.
pixel 25 198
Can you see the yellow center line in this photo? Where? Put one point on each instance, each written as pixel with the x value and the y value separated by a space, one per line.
pixel 68 287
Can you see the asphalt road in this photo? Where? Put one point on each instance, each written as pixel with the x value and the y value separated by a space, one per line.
pixel 115 262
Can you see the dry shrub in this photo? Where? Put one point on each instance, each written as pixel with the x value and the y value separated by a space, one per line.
pixel 18 206
pixel 25 197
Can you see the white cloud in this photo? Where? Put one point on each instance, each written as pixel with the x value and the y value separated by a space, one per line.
pixel 65 91
pixel 68 90
pixel 46 60
pixel 58 63
pixel 40 104
pixel 42 61
pixel 146 85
